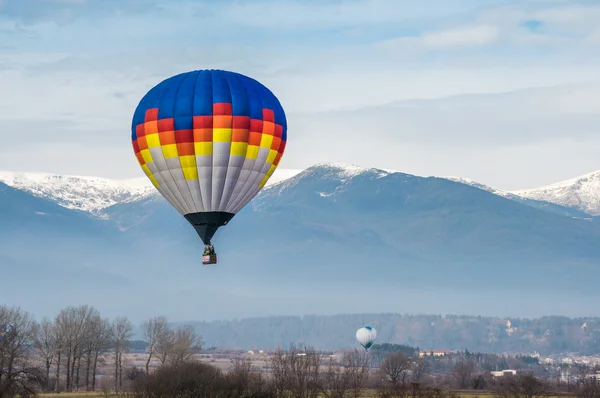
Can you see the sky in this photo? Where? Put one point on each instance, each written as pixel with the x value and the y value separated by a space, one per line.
pixel 504 92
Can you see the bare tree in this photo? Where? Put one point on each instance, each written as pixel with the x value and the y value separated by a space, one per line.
pixel 60 349
pixel 185 345
pixel 588 387
pixel 357 366
pixel 164 346
pixel 97 342
pixel 523 386
pixel 297 372
pixel 346 377
pixel 462 372
pixel 420 369
pixel 335 381
pixel 46 345
pixel 72 325
pixel 154 331
pixel 18 377
pixel 122 331
pixel 396 366
pixel 197 379
pixel 245 381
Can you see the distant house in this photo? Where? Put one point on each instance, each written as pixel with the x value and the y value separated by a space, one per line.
pixel 502 373
pixel 592 376
pixel 434 353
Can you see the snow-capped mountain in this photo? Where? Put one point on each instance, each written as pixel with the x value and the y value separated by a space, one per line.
pixel 582 193
pixel 399 227
pixel 89 194
pixel 342 173
pixel 92 194
pixel 468 181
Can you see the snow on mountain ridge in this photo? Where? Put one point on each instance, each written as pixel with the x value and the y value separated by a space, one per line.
pixel 340 171
pixel 90 194
pixel 582 193
pixel 483 187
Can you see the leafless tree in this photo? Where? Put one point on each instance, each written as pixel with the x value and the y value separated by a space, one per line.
pixel 357 366
pixel 523 386
pixel 478 382
pixel 335 380
pixel 98 338
pixel 347 377
pixel 420 369
pixel 46 345
pixel 122 331
pixel 197 379
pixel 245 381
pixel 73 325
pixel 462 372
pixel 397 390
pixel 164 346
pixel 587 387
pixel 18 377
pixel 154 331
pixel 297 372
pixel 396 366
pixel 240 376
pixel 60 349
pixel 185 344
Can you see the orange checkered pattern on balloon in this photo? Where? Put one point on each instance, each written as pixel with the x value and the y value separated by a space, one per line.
pixel 245 135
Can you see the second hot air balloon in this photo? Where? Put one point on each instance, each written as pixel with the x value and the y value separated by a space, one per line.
pixel 209 140
pixel 366 336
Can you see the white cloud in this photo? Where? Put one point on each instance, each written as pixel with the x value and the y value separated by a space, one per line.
pixel 507 140
pixel 347 100
pixel 466 36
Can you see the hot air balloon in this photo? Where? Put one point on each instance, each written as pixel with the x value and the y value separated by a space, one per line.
pixel 366 336
pixel 209 140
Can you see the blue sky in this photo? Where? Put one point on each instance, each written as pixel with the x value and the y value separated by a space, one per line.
pixel 504 92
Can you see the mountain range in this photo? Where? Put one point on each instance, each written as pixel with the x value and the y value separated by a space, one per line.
pixel 329 239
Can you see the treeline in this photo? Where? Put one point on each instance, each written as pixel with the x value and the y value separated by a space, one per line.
pixel 64 353
pixel 303 372
pixel 547 335
pixel 70 352
pixel 470 370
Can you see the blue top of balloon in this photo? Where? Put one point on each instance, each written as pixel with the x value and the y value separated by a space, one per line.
pixel 190 94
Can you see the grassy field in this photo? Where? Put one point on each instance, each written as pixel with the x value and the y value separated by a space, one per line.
pixel 77 395
pixel 368 394
pixel 112 395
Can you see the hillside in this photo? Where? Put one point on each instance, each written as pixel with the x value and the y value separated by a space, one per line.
pixel 582 193
pixel 540 202
pixel 547 335
pixel 318 242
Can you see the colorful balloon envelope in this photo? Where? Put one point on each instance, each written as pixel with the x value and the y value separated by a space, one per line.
pixel 366 336
pixel 209 140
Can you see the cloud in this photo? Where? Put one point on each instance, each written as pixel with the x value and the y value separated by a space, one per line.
pixel 475 35
pixel 524 136
pixel 67 11
pixel 457 87
pixel 477 120
pixel 446 39
pixel 284 14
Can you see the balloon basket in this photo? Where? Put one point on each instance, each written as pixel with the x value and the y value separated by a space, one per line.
pixel 209 259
